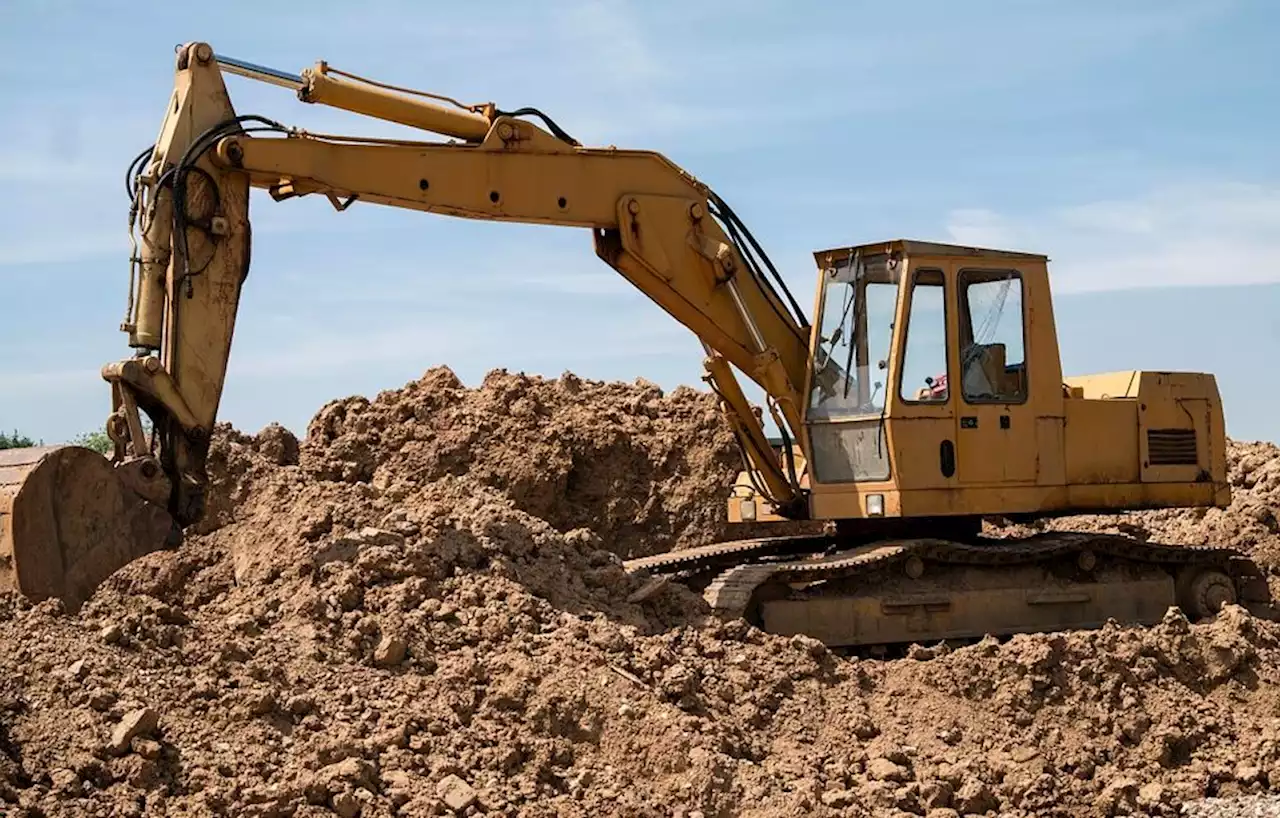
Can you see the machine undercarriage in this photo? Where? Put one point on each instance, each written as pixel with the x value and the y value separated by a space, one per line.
pixel 887 592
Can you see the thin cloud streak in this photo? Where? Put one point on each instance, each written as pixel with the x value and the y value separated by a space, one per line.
pixel 1185 235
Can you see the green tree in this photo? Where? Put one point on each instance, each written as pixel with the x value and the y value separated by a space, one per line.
pixel 98 441
pixel 15 441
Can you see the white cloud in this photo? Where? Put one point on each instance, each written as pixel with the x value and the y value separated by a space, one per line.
pixel 1191 234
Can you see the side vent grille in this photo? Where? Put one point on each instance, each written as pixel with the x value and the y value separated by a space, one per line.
pixel 1171 447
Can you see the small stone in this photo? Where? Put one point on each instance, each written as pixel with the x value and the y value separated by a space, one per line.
pixel 390 651
pixel 863 727
pixel 626 709
pixel 1150 795
pixel 1175 620
pixel 649 589
pixel 277 444
pixel 233 652
pixel 317 524
pixel 951 736
pixel 581 781
pixel 942 812
pixel 141 722
pixel 1120 795
pixel 300 705
pixel 1024 754
pixel 78 669
pixel 445 611
pixel 64 780
pixel 396 780
pixel 242 623
pixel 370 537
pixel 399 798
pixel 882 769
pixel 341 776
pixel 354 771
pixel 346 805
pixel 1247 773
pixel 899 755
pixel 101 700
pixel 111 633
pixel 935 794
pixel 147 748
pixel 260 702
pixel 839 799
pixel 455 793
pixel 975 797
pixel 809 645
pixel 907 799
pixel 391 737
pixel 922 654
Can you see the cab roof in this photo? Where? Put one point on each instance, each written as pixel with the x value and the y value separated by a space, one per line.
pixel 912 247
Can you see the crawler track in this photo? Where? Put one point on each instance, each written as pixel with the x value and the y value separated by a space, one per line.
pixel 921 589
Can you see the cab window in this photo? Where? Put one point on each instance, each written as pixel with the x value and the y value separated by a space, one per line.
pixel 924 363
pixel 855 333
pixel 993 367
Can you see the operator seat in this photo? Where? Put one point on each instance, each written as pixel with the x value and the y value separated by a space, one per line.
pixel 984 372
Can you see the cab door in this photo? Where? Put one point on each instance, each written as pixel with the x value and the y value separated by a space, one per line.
pixel 995 420
pixel 923 414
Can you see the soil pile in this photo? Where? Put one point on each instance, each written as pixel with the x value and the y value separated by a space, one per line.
pixel 647 471
pixel 387 622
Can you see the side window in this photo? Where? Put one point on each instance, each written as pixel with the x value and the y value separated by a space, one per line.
pixel 993 366
pixel 924 364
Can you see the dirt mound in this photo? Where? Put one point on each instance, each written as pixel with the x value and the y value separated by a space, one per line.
pixel 400 615
pixel 647 471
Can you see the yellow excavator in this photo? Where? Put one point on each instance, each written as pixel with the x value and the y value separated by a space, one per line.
pixel 926 395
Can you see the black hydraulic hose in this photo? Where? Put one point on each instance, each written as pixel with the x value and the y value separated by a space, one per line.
pixel 193 152
pixel 136 164
pixel 757 276
pixel 728 211
pixel 789 456
pixel 555 129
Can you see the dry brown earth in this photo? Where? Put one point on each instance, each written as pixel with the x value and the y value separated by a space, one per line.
pixel 420 610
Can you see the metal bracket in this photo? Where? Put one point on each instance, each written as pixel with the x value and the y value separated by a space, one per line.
pixel 340 205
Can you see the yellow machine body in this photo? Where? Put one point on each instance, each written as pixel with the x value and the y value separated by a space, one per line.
pixel 997 430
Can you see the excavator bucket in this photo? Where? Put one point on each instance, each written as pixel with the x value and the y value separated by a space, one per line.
pixel 67 522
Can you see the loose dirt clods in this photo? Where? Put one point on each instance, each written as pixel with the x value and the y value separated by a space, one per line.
pixel 420 609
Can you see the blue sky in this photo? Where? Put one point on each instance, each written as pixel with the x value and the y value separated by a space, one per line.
pixel 1134 143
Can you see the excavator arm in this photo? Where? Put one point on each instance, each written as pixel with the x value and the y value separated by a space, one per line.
pixel 69 518
pixel 654 223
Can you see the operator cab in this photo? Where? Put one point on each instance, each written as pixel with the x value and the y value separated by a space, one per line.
pixel 923 361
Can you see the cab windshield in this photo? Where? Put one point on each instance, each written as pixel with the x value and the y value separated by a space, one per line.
pixel 855 334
